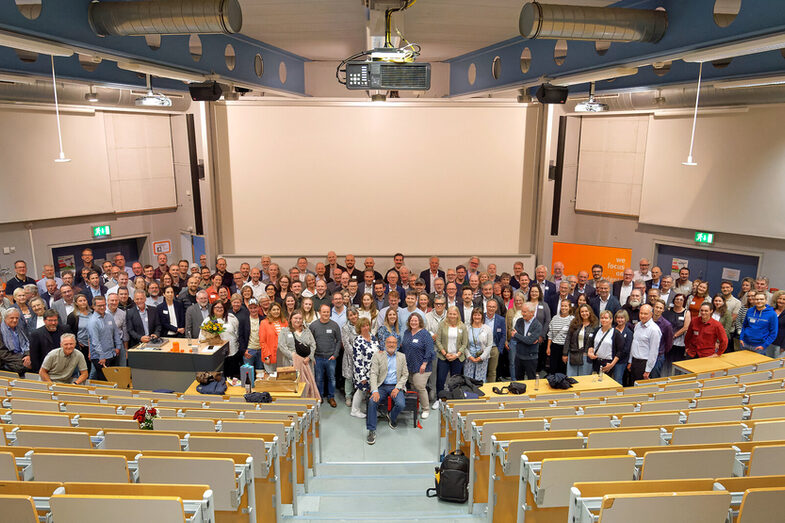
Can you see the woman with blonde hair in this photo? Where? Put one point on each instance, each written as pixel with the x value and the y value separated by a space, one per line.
pixel 309 315
pixel 367 309
pixel 269 330
pixel 452 339
pixel 390 327
pixel 296 347
pixel 580 337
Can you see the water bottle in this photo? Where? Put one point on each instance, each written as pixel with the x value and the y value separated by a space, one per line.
pixel 537 381
pixel 248 384
pixel 599 374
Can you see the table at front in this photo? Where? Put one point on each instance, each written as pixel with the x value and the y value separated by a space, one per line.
pixel 159 368
pixel 745 357
pixel 720 364
pixel 585 383
pixel 239 390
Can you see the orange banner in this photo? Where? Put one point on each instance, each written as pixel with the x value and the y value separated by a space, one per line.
pixel 577 257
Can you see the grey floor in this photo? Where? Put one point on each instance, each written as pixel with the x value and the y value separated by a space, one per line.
pixel 381 482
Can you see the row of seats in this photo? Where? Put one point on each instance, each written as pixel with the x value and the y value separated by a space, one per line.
pixel 70 433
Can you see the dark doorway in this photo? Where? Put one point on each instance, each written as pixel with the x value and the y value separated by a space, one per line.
pixel 711 266
pixel 69 256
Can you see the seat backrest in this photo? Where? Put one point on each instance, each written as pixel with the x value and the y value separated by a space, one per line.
pixel 518 447
pixel 122 393
pixel 665 405
pixel 118 509
pixel 720 382
pixel 767 411
pixel 580 402
pixel 88 468
pixel 686 435
pixel 678 395
pixel 180 404
pixel 37 405
pixel 29 418
pixel 269 416
pixel 32 384
pixel 18 508
pixel 767 460
pixel 628 398
pixel 30 394
pixel 8 467
pixel 81 408
pixel 558 475
pixel 695 507
pixel 761 505
pixel 768 430
pixel 106 423
pixel 598 393
pixel 53 439
pixel 253 446
pixel 719 401
pixel 778 373
pixel 489 429
pixel 725 390
pixel 763 386
pixel 769 365
pixel 119 375
pixel 141 440
pixel 677 386
pixel 78 398
pixel 618 438
pixel 216 472
pixel 715 415
pixel 767 397
pixel 644 420
pixel 549 412
pixel 622 408
pixel 581 422
pixel 755 377
pixel 211 414
pixel 686 464
pixel 643 389
pixel 743 369
pixel 522 404
pixel 180 424
pixel 473 415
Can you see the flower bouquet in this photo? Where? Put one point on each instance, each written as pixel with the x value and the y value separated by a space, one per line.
pixel 212 330
pixel 145 416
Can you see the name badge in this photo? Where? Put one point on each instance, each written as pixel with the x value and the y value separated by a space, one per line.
pixel 166 311
pixel 695 333
pixel 752 320
pixel 415 340
pixel 681 318
pixel 329 331
pixel 291 335
pixel 498 330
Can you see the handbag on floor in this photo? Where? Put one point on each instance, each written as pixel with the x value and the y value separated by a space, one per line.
pixel 452 479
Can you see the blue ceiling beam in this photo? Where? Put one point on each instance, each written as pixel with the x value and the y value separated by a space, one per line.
pixel 66 22
pixel 690 26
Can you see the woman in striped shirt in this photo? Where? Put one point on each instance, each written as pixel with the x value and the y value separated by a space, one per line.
pixel 557 336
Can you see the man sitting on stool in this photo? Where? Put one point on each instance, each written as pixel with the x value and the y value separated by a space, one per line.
pixel 388 378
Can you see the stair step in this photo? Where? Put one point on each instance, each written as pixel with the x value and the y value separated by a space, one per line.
pixel 404 505
pixel 367 483
pixel 376 468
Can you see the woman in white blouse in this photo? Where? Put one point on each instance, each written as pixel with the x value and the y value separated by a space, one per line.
pixel 557 337
pixel 608 345
pixel 479 349
pixel 219 313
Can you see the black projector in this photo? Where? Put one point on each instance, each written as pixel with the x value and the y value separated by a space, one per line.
pixel 365 75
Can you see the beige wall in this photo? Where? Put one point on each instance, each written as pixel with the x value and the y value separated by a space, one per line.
pixel 619 231
pixel 420 177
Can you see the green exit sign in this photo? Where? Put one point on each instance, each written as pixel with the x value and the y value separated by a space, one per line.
pixel 102 231
pixel 704 237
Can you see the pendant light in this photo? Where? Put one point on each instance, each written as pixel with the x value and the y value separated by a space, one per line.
pixel 62 158
pixel 690 160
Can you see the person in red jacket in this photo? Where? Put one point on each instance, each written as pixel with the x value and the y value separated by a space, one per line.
pixel 706 336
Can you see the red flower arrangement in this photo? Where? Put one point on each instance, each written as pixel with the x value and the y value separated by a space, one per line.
pixel 144 416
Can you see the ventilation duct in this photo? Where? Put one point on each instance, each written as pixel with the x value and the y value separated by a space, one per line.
pixel 684 97
pixel 573 22
pixel 165 17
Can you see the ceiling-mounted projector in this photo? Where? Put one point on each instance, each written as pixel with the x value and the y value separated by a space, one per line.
pixel 364 75
pixel 591 106
pixel 151 99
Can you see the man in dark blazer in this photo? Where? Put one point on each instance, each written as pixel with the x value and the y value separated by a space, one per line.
pixel 604 296
pixel 431 273
pixel 486 295
pixel 626 281
pixel 583 287
pixel 549 290
pixel 45 339
pixel 66 301
pixel 466 305
pixel 527 333
pixel 196 314
pixel 140 331
pixel 93 288
pixel 48 296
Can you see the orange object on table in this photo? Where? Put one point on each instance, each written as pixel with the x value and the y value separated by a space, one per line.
pixel 175 346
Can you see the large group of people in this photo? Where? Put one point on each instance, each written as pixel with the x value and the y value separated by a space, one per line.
pixel 334 322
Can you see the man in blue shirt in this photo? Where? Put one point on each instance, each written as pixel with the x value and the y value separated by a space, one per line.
pixel 388 378
pixel 499 328
pixel 105 338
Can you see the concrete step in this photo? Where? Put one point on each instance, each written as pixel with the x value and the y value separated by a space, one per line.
pixel 376 468
pixel 327 483
pixel 390 505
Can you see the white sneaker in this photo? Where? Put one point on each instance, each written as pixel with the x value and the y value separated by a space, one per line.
pixel 425 414
pixel 357 414
pixel 435 406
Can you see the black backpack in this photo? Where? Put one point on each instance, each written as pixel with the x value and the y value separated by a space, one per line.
pixel 452 479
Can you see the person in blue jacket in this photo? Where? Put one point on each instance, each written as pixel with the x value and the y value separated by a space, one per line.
pixel 760 326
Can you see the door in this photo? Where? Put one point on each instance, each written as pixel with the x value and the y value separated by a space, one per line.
pixel 69 257
pixel 708 265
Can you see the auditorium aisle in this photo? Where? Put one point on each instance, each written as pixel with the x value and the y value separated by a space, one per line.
pixel 381 482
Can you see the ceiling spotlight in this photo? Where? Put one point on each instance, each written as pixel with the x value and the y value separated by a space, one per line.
pixel 591 105
pixel 91 95
pixel 151 99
